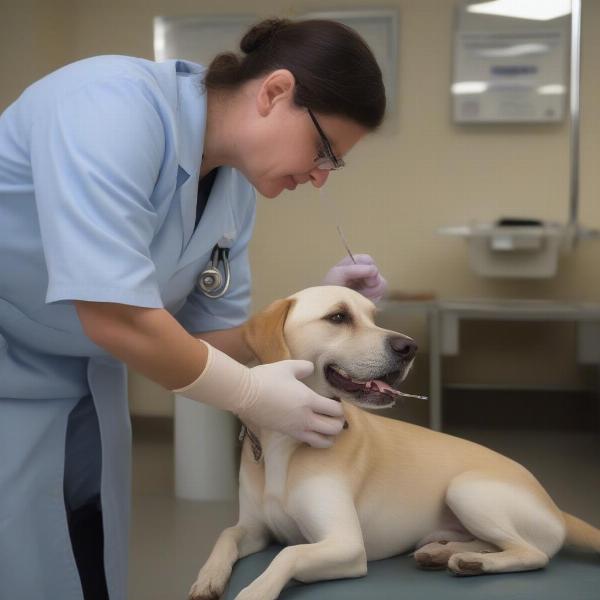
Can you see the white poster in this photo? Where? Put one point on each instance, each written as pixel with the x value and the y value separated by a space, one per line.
pixel 510 75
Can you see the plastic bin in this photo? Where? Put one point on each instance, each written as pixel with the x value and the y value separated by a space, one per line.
pixel 512 251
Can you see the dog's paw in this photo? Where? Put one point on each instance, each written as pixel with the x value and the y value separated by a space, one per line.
pixel 202 592
pixel 466 563
pixel 433 556
pixel 429 562
pixel 209 585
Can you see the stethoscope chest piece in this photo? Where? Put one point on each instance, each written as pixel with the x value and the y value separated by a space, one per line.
pixel 210 282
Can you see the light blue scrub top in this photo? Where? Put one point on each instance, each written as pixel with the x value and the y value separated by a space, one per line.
pixel 99 167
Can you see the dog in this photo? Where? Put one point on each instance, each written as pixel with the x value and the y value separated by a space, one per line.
pixel 385 487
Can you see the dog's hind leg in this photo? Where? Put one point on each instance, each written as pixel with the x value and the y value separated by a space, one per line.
pixel 524 526
pixel 325 513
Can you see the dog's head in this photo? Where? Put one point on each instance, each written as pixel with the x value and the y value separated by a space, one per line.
pixel 334 328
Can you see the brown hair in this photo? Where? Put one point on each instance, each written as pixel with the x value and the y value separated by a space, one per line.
pixel 335 71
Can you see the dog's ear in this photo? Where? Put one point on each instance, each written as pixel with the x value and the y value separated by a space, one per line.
pixel 264 332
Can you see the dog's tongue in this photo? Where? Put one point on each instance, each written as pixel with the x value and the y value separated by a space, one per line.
pixel 354 385
pixel 382 387
pixel 377 394
pixel 373 387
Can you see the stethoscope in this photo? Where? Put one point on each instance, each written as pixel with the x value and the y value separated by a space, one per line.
pixel 210 281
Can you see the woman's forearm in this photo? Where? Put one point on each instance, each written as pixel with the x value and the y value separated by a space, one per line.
pixel 149 340
pixel 231 341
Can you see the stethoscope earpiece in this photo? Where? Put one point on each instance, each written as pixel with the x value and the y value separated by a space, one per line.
pixel 210 281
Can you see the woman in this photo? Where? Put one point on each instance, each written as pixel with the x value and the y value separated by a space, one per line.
pixel 119 177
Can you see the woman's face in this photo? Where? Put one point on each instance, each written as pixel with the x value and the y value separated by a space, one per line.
pixel 287 148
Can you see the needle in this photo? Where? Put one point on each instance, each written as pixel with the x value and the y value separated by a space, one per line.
pixel 334 217
pixel 411 395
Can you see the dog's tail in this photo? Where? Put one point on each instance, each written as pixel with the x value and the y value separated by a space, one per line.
pixel 581 535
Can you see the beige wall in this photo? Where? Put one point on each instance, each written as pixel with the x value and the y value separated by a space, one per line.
pixel 419 173
pixel 35 38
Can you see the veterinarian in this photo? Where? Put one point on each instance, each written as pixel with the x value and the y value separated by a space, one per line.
pixel 121 180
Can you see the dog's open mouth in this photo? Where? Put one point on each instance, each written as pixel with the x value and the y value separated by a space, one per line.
pixel 374 393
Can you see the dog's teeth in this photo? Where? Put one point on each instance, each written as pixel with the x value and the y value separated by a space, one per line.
pixel 341 372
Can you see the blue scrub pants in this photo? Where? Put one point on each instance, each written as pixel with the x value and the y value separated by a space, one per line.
pixel 51 540
pixel 82 473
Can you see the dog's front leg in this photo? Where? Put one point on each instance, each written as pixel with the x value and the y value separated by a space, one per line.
pixel 332 558
pixel 233 543
pixel 325 513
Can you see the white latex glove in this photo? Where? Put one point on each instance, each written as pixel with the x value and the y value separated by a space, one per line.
pixel 364 276
pixel 269 396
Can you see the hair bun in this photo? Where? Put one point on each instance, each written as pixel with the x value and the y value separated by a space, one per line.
pixel 261 34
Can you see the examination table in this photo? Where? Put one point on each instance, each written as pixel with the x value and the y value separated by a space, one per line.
pixel 569 576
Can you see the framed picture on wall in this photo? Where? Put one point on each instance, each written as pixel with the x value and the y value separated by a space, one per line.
pixel 510 63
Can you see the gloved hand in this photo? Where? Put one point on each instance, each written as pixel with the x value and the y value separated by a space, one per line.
pixel 364 276
pixel 269 396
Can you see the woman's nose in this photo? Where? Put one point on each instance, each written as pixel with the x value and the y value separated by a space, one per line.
pixel 318 177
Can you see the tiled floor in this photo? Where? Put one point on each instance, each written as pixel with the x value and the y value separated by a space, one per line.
pixel 171 538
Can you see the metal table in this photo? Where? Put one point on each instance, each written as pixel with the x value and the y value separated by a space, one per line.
pixel 443 324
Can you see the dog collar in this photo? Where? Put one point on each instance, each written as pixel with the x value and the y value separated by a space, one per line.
pixel 254 442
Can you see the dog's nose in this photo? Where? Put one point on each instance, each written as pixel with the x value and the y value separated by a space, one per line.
pixel 404 347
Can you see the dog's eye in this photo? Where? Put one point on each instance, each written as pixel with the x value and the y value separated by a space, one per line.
pixel 339 317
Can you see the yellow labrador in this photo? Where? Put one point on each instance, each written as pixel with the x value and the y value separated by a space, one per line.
pixel 385 487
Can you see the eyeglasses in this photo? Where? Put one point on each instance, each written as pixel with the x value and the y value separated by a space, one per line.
pixel 328 161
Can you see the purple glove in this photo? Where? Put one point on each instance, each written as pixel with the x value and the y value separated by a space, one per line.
pixel 364 276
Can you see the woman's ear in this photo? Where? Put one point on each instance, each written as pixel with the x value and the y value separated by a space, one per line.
pixel 276 86
pixel 264 332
